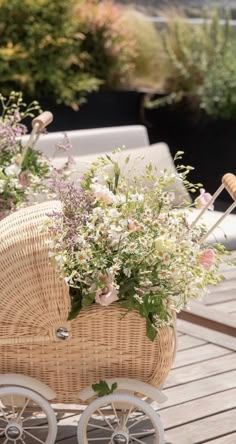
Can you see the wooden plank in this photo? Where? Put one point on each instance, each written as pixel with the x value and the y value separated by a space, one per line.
pixel 207 334
pixel 228 307
pixel 199 432
pixel 186 341
pixel 224 295
pixel 70 439
pixel 198 389
pixel 198 409
pixel 229 439
pixel 209 318
pixel 201 353
pixel 201 370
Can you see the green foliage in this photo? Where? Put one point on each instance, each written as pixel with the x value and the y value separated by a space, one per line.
pixel 108 43
pixel 40 50
pixel 103 389
pixel 147 62
pixel 198 64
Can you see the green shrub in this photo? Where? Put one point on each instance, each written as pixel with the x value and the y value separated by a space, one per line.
pixel 145 34
pixel 40 50
pixel 109 45
pixel 198 63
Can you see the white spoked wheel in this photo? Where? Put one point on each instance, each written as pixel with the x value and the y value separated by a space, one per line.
pixel 25 417
pixel 120 419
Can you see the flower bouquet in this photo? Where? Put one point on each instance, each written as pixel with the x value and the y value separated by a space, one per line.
pixel 24 171
pixel 119 240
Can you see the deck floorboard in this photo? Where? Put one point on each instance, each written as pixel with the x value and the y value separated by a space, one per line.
pixel 201 390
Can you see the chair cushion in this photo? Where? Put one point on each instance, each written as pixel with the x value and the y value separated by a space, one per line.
pixel 95 140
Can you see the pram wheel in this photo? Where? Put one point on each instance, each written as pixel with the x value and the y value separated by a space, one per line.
pixel 25 417
pixel 120 419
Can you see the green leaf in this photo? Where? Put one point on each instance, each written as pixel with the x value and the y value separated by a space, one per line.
pixel 88 300
pixel 150 330
pixel 103 389
pixel 75 309
pixel 76 302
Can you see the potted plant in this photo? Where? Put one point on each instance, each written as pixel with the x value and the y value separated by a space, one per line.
pixel 196 109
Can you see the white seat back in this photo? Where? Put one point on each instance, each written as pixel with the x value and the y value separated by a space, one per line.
pixel 94 141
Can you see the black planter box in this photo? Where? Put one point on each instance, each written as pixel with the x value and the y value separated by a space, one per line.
pixel 102 109
pixel 209 145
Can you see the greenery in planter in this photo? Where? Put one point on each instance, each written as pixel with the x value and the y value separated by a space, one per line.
pixel 40 51
pixel 147 61
pixel 197 63
pixel 109 44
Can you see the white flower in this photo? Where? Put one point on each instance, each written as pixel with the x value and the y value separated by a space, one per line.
pixel 137 197
pixel 102 193
pixel 138 298
pixel 2 183
pixel 98 211
pixel 60 260
pixel 164 245
pixel 120 199
pixel 12 170
pixel 127 272
pixel 104 174
pixel 113 213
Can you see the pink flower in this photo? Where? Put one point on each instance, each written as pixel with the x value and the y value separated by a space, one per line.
pixel 207 258
pixel 202 200
pixel 131 225
pixel 24 178
pixel 107 295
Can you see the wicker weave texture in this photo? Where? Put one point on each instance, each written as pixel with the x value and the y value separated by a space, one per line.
pixel 34 302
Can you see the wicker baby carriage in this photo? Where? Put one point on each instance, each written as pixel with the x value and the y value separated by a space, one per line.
pixel 99 344
pixel 46 358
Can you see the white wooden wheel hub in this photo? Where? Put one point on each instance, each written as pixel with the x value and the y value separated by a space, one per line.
pixel 120 437
pixel 14 431
pixel 30 420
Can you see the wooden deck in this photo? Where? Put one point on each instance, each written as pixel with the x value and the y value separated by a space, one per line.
pixel 217 310
pixel 201 390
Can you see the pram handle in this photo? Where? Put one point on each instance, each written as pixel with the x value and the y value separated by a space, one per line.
pixel 229 182
pixel 42 120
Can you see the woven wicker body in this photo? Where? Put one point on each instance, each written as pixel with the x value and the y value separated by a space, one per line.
pixel 34 303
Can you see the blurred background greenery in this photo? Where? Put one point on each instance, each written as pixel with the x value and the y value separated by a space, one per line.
pixel 63 50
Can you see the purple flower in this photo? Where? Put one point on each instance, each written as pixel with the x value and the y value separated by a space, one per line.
pixel 65 144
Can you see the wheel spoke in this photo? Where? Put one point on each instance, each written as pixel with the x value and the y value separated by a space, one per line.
pixel 99 439
pixel 127 416
pixel 4 415
pixel 12 405
pixel 106 420
pixel 114 410
pixel 22 410
pixel 136 422
pixel 137 440
pixel 99 427
pixel 142 434
pixel 35 437
pixel 39 427
pixel 6 441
